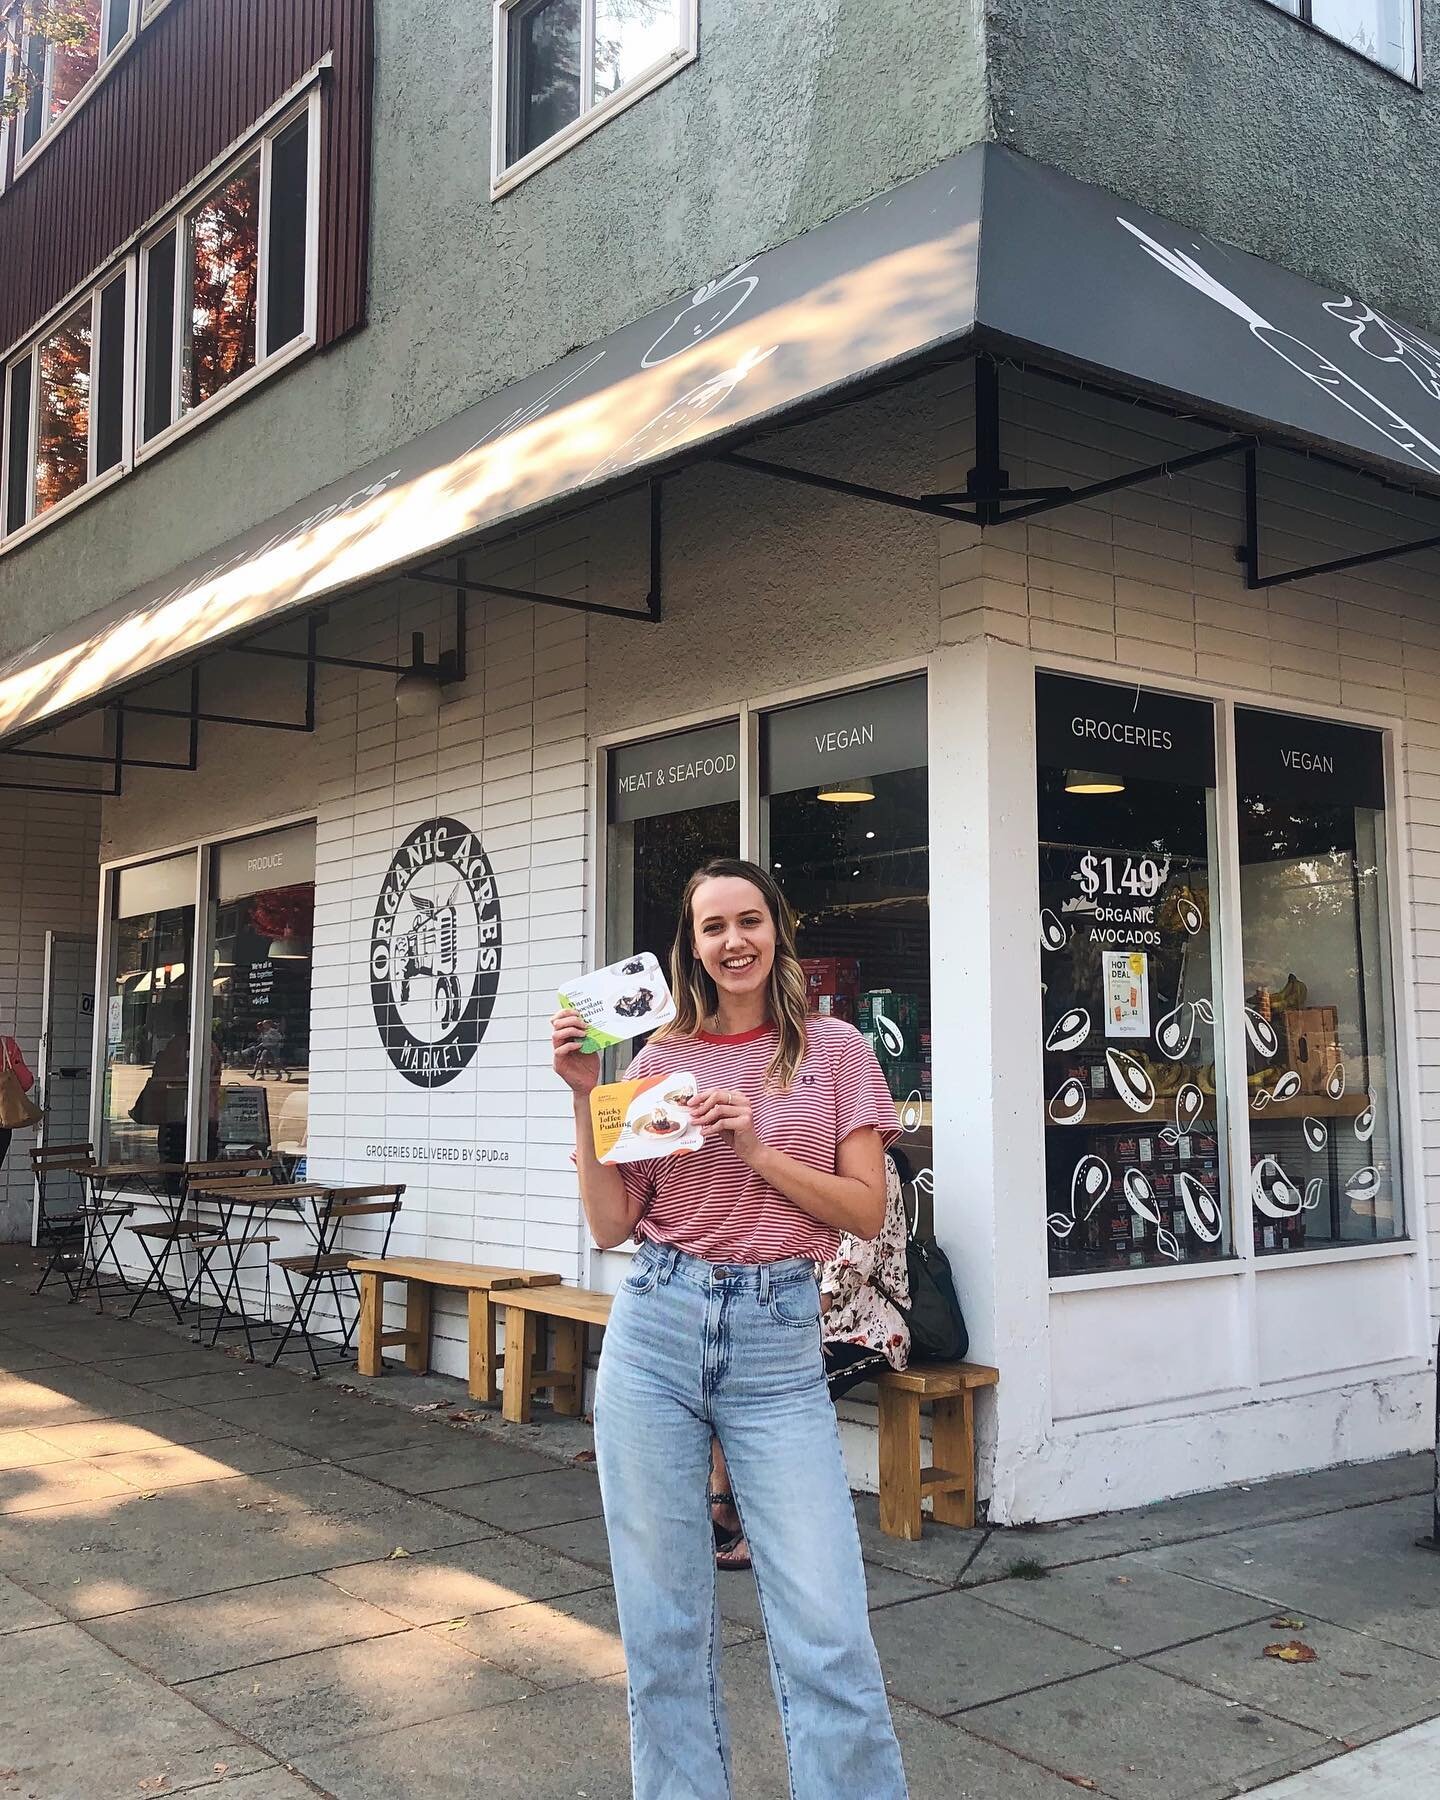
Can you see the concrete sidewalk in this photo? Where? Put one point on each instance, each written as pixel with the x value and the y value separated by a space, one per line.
pixel 213 1575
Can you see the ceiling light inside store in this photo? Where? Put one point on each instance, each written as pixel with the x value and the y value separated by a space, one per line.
pixel 417 694
pixel 848 793
pixel 1087 781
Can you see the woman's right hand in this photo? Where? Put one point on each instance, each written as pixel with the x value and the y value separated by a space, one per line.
pixel 577 1069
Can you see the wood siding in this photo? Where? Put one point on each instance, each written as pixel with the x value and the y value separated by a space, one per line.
pixel 193 84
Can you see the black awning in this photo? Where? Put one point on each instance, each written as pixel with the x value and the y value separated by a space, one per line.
pixel 988 247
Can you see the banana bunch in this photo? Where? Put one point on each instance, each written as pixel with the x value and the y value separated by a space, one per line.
pixel 1291 997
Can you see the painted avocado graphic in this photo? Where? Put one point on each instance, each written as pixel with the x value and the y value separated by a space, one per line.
pixel 712 306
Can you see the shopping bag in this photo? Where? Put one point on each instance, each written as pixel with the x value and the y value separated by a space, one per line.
pixel 17 1109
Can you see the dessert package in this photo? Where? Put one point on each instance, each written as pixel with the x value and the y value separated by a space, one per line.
pixel 636 1120
pixel 620 1001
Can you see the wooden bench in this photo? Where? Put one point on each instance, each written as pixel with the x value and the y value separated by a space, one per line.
pixel 422 1275
pixel 571 1311
pixel 950 1388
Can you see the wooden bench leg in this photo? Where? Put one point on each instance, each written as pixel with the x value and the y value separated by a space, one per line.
pixel 900 1464
pixel 569 1394
pixel 519 1356
pixel 484 1350
pixel 953 1439
pixel 372 1312
pixel 418 1303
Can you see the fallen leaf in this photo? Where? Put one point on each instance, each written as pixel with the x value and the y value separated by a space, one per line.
pixel 1082 1781
pixel 431 1406
pixel 1287 1624
pixel 222 1768
pixel 456 1624
pixel 583 1456
pixel 397 1553
pixel 1292 1652
pixel 150 1495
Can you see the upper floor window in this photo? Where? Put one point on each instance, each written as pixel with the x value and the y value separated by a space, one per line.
pixel 228 284
pixel 564 66
pixel 223 293
pixel 65 44
pixel 1381 30
pixel 65 405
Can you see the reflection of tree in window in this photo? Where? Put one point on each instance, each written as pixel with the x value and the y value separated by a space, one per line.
pixel 630 36
pixel 75 58
pixel 544 73
pixel 63 444
pixel 667 852
pixel 224 285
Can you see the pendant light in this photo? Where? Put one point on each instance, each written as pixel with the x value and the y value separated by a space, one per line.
pixel 849 792
pixel 1089 781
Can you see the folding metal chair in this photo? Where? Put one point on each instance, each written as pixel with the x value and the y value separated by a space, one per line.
pixel 103 1216
pixel 308 1276
pixel 231 1212
pixel 60 1227
pixel 171 1236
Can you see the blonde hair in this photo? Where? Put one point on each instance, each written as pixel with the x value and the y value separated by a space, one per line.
pixel 696 996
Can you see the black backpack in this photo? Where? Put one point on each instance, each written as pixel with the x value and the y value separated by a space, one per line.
pixel 938 1332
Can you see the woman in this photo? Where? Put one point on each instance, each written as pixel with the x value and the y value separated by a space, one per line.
pixel 10 1058
pixel 862 1331
pixel 716 1332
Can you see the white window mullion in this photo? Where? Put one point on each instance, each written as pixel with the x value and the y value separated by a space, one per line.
pixel 262 251
pixel 92 419
pixel 587 56
pixel 181 327
pixel 32 435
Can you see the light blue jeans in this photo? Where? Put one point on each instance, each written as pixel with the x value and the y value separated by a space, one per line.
pixel 693 1348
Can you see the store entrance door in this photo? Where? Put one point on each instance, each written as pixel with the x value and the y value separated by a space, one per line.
pixel 66 1042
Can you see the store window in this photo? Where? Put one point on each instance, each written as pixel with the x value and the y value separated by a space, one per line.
pixel 262 918
pixel 147 1013
pixel 845 829
pixel 674 802
pixel 1319 1024
pixel 1130 975
pixel 568 63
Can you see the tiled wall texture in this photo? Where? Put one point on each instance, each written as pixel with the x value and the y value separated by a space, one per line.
pixel 49 858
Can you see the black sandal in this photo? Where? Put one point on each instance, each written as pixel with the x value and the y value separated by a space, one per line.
pixel 731 1551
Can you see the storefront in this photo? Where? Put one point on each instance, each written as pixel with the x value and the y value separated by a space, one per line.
pixel 1117 846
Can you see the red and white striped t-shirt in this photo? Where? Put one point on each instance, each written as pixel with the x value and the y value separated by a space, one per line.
pixel 711 1204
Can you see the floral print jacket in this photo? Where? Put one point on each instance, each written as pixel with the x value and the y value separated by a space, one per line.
pixel 866 1276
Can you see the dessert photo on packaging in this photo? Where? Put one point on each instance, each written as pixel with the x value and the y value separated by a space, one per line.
pixel 636 1120
pixel 620 1001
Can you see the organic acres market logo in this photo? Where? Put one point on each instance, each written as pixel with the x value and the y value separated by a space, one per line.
pixel 435 952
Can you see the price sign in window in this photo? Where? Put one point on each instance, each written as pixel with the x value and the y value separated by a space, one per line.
pixel 1130 977
pixel 1319 1028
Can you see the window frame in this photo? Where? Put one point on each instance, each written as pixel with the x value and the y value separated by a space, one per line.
pixel 94 483
pixel 1302 13
pixel 108 60
pixel 504 176
pixel 1244 1263
pixel 202 851
pixel 178 221
pixel 9 49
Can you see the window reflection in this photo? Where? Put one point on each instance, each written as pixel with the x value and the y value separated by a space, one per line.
pixel 631 36
pixel 62 451
pixel 147 1017
pixel 74 64
pixel 224 259
pixel 544 76
pixel 1324 1128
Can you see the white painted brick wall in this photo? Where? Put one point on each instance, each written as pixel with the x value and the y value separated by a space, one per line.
pixel 49 856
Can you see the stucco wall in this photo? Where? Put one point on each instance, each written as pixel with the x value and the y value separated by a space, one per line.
pixel 790 114
pixel 1230 117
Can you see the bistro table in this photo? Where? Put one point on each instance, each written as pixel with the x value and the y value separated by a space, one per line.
pixel 242 1210
pixel 160 1183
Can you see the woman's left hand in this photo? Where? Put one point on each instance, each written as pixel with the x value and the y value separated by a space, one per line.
pixel 727 1111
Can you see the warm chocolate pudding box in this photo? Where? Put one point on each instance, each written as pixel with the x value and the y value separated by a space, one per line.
pixel 620 1001
pixel 636 1120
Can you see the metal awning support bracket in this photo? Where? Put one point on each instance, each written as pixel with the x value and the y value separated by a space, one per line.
pixel 464 584
pixel 1249 552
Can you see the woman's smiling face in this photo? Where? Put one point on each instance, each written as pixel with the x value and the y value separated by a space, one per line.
pixel 734 934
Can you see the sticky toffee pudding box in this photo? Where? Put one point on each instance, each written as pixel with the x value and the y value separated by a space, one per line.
pixel 636 1120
